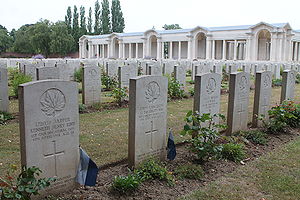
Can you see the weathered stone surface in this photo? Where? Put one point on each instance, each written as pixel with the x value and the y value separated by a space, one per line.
pixel 91 85
pixel 4 101
pixel 238 101
pixel 30 70
pixel 125 73
pixel 288 85
pixel 49 130
pixel 45 73
pixel 147 118
pixel 262 96
pixel 180 75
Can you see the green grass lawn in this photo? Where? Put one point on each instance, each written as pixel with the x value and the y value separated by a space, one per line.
pixel 104 134
pixel 274 176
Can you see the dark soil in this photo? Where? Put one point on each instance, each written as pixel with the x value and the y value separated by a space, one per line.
pixel 154 189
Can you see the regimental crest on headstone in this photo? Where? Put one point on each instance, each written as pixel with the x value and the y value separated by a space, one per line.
pixel 152 92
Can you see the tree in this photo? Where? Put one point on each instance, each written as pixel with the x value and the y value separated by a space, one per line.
pixel 40 37
pixel 68 19
pixel 61 41
pixel 82 21
pixel 76 30
pixel 90 22
pixel 5 39
pixel 117 19
pixel 171 26
pixel 105 17
pixel 22 43
pixel 97 26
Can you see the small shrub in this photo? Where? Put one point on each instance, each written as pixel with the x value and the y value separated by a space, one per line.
pixel 108 82
pixel 174 89
pixel 140 71
pixel 25 185
pixel 255 136
pixel 233 152
pixel 298 78
pixel 82 108
pixel 78 75
pixel 18 79
pixel 191 82
pixel 152 169
pixel 189 171
pixel 119 94
pixel 125 184
pixel 276 82
pixel 189 72
pixel 204 132
pixel 192 91
pixel 4 116
pixel 225 74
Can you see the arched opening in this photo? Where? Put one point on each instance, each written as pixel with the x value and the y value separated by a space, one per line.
pixel 200 46
pixel 153 46
pixel 263 45
pixel 115 48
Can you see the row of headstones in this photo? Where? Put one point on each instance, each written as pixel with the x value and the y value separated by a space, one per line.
pixel 49 119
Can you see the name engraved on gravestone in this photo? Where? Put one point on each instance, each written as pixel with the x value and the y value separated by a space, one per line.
pixel 49 130
pixel 147 118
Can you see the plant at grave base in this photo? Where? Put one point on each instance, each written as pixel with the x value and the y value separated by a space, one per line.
pixel 119 94
pixel 18 79
pixel 276 82
pixel 5 116
pixel 12 73
pixel 82 108
pixel 224 85
pixel 174 89
pixel 191 82
pixel 140 71
pixel 189 171
pixel 255 136
pixel 107 81
pixel 282 116
pixel 152 169
pixel 204 132
pixel 125 184
pixel 25 185
pixel 78 75
pixel 225 74
pixel 192 91
pixel 232 151
pixel 189 72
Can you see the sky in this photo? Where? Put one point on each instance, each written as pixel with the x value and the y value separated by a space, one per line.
pixel 141 15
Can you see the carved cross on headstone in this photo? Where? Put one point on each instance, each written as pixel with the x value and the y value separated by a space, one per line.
pixel 55 153
pixel 151 132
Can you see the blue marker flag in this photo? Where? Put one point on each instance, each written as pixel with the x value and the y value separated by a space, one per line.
pixel 87 170
pixel 171 147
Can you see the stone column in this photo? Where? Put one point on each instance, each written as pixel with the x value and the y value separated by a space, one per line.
pixel 179 50
pixel 224 50
pixel 120 49
pixel 102 51
pixel 130 50
pixel 80 49
pixel 190 47
pixel 296 51
pixel 171 50
pixel 97 47
pixel 90 49
pixel 123 50
pixel 208 48
pixel 273 53
pixel 144 48
pixel 136 50
pixel 235 50
pixel 158 49
pixel 163 50
pixel 213 49
pixel 108 50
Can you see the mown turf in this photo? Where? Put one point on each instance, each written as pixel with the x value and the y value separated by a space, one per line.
pixel 275 176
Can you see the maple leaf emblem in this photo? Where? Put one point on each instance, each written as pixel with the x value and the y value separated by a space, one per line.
pixel 152 92
pixel 52 102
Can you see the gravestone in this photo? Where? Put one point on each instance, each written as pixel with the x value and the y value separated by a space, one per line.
pixel 180 75
pixel 30 70
pixel 91 85
pixel 49 131
pixel 147 118
pixel 153 69
pixel 4 101
pixel 125 73
pixel 262 96
pixel 238 101
pixel 112 69
pixel 288 85
pixel 207 93
pixel 45 73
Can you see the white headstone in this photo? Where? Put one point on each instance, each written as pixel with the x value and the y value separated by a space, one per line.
pixel 45 73
pixel 91 85
pixel 288 85
pixel 4 101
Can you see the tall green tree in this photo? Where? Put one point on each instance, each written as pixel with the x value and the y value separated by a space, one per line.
pixel 61 41
pixel 97 24
pixel 117 19
pixel 90 22
pixel 40 37
pixel 76 30
pixel 83 30
pixel 105 17
pixel 68 19
pixel 22 43
pixel 6 40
